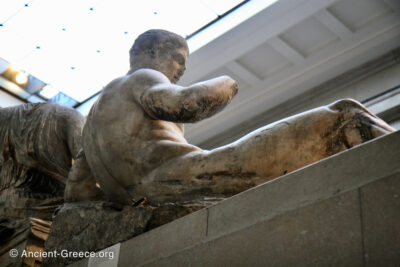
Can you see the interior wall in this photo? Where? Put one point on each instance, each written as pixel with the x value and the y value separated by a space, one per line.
pixel 362 83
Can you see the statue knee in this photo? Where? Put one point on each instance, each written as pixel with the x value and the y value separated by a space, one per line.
pixel 347 105
pixel 356 122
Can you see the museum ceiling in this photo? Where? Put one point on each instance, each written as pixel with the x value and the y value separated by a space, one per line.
pixel 77 47
pixel 283 50
pixel 289 48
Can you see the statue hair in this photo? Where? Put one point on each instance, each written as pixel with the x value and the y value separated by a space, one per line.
pixel 152 41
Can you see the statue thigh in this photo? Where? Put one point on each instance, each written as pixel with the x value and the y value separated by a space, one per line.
pixel 264 154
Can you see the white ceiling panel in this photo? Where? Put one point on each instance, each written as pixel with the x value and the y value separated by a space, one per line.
pixel 356 14
pixel 264 61
pixel 309 36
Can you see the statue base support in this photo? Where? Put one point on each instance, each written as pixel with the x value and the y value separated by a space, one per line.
pixel 341 211
pixel 93 226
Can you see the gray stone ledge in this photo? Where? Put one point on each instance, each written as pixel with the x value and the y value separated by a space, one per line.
pixel 334 175
pixel 326 233
pixel 165 240
pixel 305 189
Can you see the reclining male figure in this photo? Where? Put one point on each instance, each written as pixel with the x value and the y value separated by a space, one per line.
pixel 134 143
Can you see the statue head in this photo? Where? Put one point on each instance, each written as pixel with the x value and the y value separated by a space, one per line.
pixel 160 50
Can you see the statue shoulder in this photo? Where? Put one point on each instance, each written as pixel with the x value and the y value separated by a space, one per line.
pixel 147 77
pixel 140 80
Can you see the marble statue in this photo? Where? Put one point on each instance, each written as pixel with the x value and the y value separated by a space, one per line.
pixel 38 144
pixel 134 145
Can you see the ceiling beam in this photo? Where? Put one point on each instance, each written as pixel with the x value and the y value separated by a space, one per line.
pixel 324 65
pixel 286 50
pixel 334 24
pixel 267 24
pixel 243 73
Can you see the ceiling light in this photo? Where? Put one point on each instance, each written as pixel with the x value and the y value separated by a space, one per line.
pixel 13 68
pixel 21 78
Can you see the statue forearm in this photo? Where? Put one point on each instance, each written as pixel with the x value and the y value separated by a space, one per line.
pixel 192 103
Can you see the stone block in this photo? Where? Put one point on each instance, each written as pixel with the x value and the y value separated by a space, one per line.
pixel 381 221
pixel 326 233
pixel 318 181
pixel 90 227
pixel 165 240
pixel 81 263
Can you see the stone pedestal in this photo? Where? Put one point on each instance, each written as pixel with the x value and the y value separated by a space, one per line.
pixel 93 226
pixel 341 211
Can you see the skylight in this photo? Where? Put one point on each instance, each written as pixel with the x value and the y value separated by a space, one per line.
pixel 78 46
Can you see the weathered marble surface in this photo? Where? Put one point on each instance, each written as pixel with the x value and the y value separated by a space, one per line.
pixel 134 142
pixel 93 226
pixel 38 143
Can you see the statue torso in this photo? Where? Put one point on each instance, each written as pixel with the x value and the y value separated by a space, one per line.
pixel 123 140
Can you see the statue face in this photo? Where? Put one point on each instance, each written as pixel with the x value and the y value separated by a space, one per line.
pixel 172 63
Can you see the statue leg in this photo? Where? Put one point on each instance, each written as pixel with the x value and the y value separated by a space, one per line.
pixel 81 185
pixel 263 154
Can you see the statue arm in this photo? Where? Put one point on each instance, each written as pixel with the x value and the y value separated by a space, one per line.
pixel 170 102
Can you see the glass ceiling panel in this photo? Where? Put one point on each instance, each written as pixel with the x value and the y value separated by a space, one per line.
pixel 219 7
pixel 78 46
